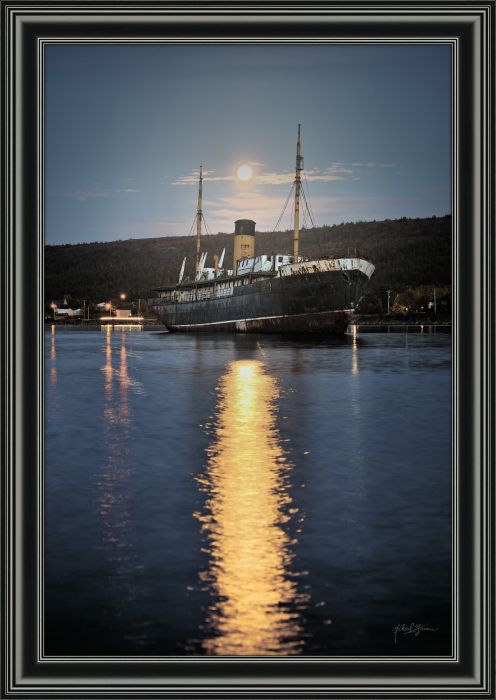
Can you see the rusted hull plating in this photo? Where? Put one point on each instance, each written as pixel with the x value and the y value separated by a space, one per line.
pixel 303 303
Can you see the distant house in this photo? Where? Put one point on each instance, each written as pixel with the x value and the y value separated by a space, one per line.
pixel 67 313
pixel 123 313
pixel 62 312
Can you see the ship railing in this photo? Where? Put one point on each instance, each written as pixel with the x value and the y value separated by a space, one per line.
pixel 219 293
pixel 213 293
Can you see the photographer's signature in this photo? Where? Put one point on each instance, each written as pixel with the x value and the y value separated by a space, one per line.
pixel 413 628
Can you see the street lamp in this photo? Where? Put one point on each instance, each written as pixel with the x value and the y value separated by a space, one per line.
pixel 53 306
pixel 388 292
pixel 123 296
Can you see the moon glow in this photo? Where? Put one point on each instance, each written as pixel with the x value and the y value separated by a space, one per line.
pixel 244 173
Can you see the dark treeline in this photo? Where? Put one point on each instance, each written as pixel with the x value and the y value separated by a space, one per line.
pixel 406 252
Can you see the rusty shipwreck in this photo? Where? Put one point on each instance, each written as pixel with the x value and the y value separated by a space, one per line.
pixel 264 293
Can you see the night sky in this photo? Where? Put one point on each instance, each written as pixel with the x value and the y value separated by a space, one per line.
pixel 126 128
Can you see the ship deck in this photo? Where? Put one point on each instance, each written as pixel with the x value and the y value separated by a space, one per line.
pixel 250 276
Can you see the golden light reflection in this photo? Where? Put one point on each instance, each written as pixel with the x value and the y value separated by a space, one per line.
pixel 256 608
pixel 114 483
pixel 53 357
pixel 354 350
pixel 107 370
pixel 124 383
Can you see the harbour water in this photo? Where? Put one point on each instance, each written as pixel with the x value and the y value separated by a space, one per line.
pixel 247 495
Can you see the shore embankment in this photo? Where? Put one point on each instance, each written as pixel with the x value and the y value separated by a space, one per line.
pixel 98 325
pixel 390 323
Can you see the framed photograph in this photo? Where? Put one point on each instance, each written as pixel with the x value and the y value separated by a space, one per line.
pixel 248 350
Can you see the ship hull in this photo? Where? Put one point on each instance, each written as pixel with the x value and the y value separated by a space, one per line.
pixel 320 322
pixel 302 303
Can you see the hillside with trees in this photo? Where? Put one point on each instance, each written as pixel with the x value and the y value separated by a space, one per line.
pixel 407 253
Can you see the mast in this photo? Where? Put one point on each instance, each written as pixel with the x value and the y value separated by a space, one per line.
pixel 299 168
pixel 198 222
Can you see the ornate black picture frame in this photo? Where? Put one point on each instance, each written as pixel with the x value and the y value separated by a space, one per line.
pixel 469 27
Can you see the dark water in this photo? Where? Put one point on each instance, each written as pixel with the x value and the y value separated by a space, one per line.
pixel 247 495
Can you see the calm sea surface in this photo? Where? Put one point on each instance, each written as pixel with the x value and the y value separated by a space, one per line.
pixel 247 495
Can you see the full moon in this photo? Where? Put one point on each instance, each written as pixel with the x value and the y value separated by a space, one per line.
pixel 245 173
